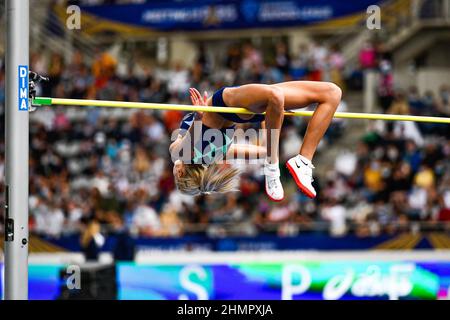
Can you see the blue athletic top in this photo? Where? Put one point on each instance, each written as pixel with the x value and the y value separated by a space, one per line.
pixel 217 101
pixel 214 144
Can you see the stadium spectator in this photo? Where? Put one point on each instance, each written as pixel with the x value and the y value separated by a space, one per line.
pixel 91 240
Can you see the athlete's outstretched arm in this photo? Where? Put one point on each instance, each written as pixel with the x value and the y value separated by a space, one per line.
pixel 183 140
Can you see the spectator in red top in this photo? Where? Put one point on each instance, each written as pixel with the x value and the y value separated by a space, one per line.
pixel 367 56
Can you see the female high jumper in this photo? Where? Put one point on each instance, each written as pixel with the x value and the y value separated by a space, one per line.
pixel 202 174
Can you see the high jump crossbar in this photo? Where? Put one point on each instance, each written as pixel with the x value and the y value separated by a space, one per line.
pixel 43 101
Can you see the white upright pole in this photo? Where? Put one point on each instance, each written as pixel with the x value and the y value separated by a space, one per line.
pixel 16 143
pixel 369 87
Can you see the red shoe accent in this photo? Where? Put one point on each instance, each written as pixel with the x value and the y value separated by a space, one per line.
pixel 275 200
pixel 302 188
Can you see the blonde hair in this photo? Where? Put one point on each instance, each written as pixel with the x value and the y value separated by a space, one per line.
pixel 89 232
pixel 201 179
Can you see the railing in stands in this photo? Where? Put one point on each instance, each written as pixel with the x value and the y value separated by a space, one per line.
pixel 51 33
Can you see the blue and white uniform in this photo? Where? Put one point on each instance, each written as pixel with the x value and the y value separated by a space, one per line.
pixel 209 148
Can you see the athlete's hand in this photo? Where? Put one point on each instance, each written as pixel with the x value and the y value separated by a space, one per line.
pixel 197 98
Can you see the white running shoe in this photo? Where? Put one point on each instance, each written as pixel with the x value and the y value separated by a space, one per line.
pixel 274 188
pixel 301 169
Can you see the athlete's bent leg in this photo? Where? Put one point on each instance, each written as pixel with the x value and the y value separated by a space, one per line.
pixel 253 97
pixel 274 121
pixel 299 94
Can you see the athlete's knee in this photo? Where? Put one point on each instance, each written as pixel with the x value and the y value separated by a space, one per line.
pixel 333 93
pixel 276 99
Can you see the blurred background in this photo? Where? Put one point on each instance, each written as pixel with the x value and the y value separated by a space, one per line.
pixel 102 195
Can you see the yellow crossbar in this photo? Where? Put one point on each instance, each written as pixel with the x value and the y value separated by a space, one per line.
pixel 181 107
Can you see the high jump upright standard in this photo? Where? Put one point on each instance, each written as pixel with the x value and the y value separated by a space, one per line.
pixel 16 150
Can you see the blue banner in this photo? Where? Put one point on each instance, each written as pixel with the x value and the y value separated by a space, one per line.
pixel 307 241
pixel 232 14
pixel 294 280
pixel 265 279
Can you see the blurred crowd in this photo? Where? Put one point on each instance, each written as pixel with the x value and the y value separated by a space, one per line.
pixel 397 177
pixel 399 173
pixel 112 166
